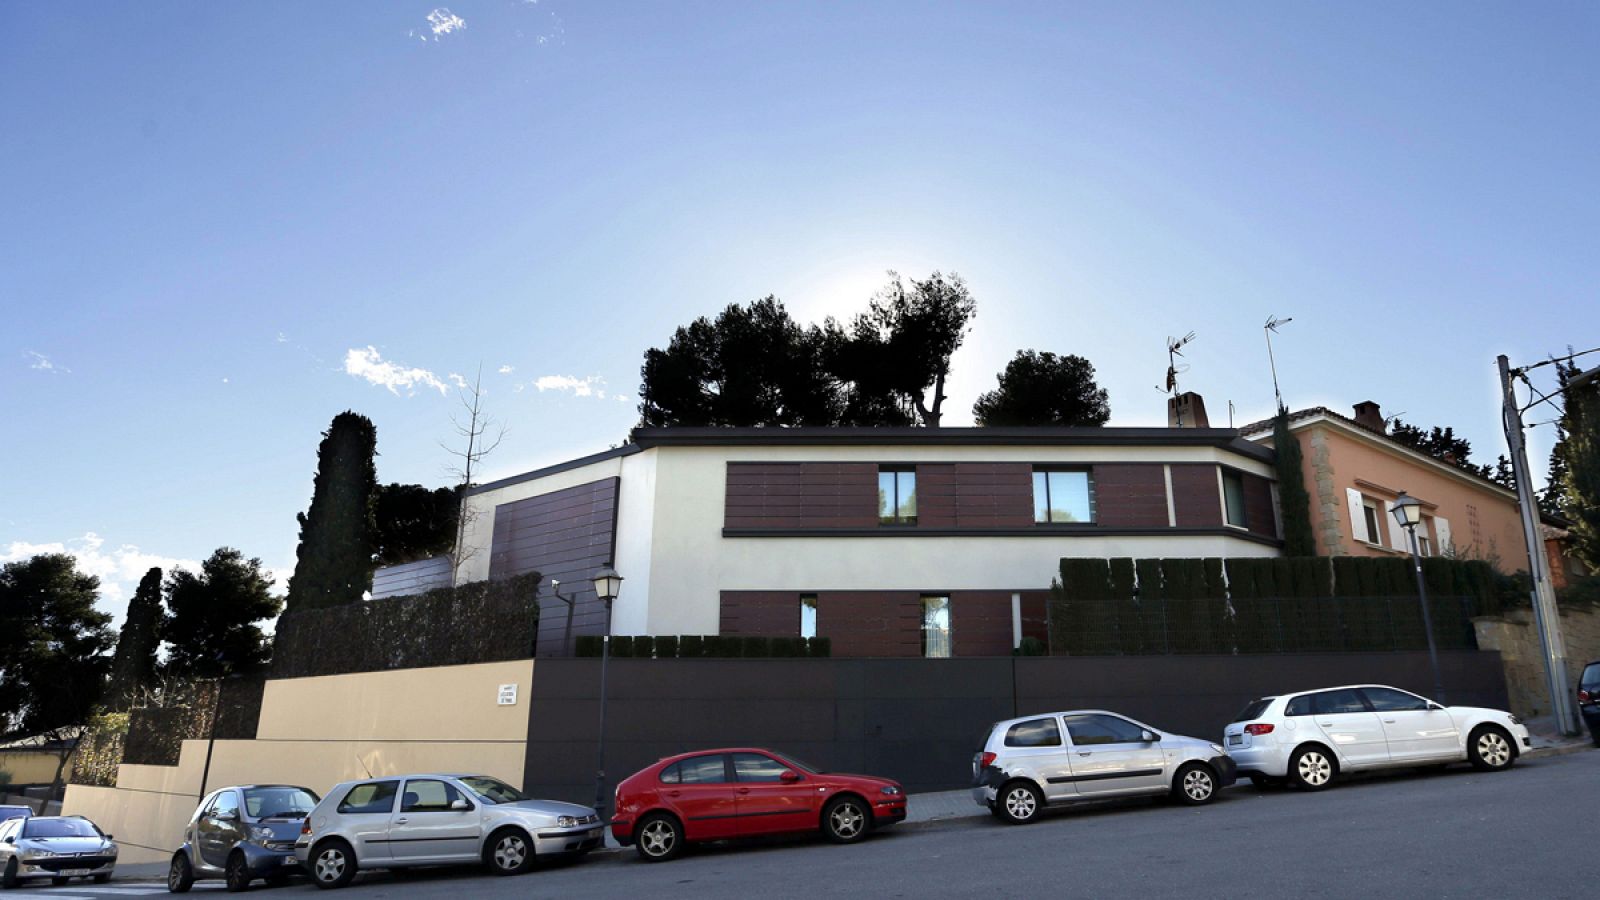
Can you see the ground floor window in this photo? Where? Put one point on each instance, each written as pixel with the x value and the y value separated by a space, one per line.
pixel 936 627
pixel 808 615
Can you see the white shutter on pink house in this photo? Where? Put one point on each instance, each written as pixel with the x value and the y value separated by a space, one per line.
pixel 1441 532
pixel 1358 516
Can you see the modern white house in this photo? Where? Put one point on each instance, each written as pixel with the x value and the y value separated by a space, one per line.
pixel 889 541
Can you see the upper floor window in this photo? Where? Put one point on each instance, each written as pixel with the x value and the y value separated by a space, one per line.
pixel 1424 542
pixel 1370 510
pixel 808 615
pixel 897 496
pixel 936 627
pixel 1065 495
pixel 1233 498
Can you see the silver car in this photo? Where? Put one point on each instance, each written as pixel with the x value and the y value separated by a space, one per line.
pixel 59 848
pixel 429 820
pixel 240 833
pixel 1044 760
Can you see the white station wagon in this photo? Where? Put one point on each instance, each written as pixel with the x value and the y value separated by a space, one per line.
pixel 1311 737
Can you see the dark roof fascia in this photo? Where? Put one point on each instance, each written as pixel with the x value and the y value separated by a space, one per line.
pixel 580 462
pixel 1223 438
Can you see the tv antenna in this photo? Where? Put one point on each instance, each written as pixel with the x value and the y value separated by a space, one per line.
pixel 1271 328
pixel 1175 350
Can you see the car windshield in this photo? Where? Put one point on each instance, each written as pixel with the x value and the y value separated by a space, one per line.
pixel 492 790
pixel 278 802
pixel 59 828
pixel 1254 709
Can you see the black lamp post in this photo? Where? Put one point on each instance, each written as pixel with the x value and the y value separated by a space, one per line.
pixel 1408 512
pixel 607 584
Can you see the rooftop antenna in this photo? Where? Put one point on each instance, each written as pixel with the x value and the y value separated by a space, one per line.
pixel 1174 350
pixel 1271 329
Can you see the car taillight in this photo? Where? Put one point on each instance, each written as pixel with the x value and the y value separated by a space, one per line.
pixel 1585 696
pixel 305 827
pixel 986 760
pixel 1258 728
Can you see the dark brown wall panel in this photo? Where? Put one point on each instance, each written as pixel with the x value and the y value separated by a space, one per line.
pixel 980 623
pixel 801 495
pixel 994 495
pixel 1258 508
pixel 871 623
pixel 565 535
pixel 770 613
pixel 1195 501
pixel 1133 495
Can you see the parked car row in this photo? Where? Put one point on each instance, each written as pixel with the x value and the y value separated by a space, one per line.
pixel 60 848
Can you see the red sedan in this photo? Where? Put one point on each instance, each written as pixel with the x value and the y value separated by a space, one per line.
pixel 715 795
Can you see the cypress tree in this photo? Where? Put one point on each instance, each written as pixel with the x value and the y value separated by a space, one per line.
pixel 134 666
pixel 334 562
pixel 1293 500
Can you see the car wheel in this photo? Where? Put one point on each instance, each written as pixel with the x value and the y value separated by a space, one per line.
pixel 509 852
pixel 1312 768
pixel 9 879
pixel 846 820
pixel 1489 749
pixel 659 838
pixel 332 864
pixel 237 875
pixel 1020 803
pixel 1195 785
pixel 180 875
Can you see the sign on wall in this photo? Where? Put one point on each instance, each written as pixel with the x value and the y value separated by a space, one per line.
pixel 508 695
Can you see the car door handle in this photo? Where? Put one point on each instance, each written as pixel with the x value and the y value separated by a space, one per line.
pixel 1086 753
pixel 673 793
pixel 744 790
pixel 401 821
pixel 1388 721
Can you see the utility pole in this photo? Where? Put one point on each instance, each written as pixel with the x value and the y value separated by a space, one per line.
pixel 1545 615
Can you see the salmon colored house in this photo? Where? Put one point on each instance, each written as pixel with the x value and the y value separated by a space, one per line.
pixel 1354 471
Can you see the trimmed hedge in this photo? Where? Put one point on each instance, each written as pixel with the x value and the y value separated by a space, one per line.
pixel 707 646
pixel 485 621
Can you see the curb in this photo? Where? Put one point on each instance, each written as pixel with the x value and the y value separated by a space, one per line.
pixel 1560 750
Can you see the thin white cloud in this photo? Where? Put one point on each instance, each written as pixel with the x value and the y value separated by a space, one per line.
pixel 504 370
pixel 41 363
pixel 367 363
pixel 441 22
pixel 283 338
pixel 119 570
pixel 457 380
pixel 590 386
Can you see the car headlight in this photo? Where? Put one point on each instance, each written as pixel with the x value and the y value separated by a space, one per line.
pixel 40 854
pixel 889 789
pixel 1217 748
pixel 566 822
pixel 261 834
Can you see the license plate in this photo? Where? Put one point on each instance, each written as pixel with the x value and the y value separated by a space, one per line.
pixel 291 861
pixel 75 873
pixel 1235 738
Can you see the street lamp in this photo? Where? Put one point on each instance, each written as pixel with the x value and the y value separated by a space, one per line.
pixel 607 585
pixel 1408 512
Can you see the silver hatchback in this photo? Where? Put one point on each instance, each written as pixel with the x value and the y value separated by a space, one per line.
pixel 430 820
pixel 1036 761
pixel 59 848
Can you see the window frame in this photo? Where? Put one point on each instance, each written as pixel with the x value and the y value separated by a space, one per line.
pixel 808 604
pixel 1053 722
pixel 1066 721
pixel 733 760
pixel 949 632
pixel 1374 518
pixel 1049 508
pixel 460 792
pixel 1316 709
pixel 344 808
pixel 1366 694
pixel 1234 478
pixel 728 776
pixel 896 519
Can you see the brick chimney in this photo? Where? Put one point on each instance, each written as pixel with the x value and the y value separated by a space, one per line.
pixel 1369 416
pixel 1187 410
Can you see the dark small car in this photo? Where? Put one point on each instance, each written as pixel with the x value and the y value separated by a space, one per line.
pixel 1589 699
pixel 241 833
pixel 714 795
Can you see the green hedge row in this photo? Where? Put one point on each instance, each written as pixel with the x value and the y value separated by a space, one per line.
pixel 714 646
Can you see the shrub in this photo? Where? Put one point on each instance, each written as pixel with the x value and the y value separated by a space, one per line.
pixel 1030 646
pixel 644 646
pixel 587 645
pixel 621 646
pixel 755 646
pixel 667 646
pixel 691 646
pixel 819 647
pixel 723 646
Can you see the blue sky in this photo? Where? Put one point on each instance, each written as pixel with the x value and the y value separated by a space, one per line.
pixel 223 223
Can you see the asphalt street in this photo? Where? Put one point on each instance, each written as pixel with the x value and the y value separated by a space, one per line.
pixel 1527 832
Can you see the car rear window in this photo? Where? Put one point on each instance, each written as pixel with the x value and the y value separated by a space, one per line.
pixel 373 797
pixel 1034 733
pixel 1591 678
pixel 1253 709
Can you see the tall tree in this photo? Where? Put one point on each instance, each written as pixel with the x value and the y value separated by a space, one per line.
pixel 413 522
pixel 53 645
pixel 752 365
pixel 1441 444
pixel 479 435
pixel 133 668
pixel 896 355
pixel 211 624
pixel 334 562
pixel 1294 501
pixel 1579 494
pixel 1044 389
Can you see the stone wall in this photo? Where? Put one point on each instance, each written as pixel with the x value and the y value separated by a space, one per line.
pixel 1518 642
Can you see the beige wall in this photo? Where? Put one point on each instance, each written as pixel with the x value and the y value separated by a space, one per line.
pixel 1518 642
pixel 317 732
pixel 31 766
pixel 1482 518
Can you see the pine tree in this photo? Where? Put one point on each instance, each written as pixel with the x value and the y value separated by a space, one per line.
pixel 134 665
pixel 211 623
pixel 1293 499
pixel 334 563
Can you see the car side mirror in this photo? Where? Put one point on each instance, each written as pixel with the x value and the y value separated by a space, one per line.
pixel 1148 736
pixel 227 817
pixel 111 837
pixel 11 839
pixel 1432 705
pixel 460 805
pixel 789 776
